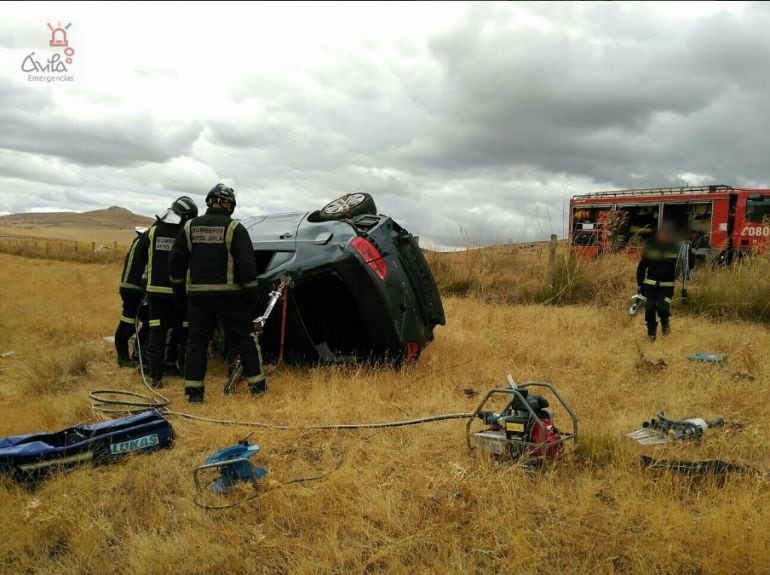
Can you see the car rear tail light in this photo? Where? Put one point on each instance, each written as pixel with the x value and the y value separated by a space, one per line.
pixel 412 350
pixel 371 256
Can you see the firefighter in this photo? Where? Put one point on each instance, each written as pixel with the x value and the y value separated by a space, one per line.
pixel 214 258
pixel 132 282
pixel 656 279
pixel 167 319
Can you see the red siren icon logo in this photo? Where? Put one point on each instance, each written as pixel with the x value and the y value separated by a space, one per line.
pixel 59 40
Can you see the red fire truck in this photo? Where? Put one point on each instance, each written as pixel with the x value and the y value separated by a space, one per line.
pixel 720 221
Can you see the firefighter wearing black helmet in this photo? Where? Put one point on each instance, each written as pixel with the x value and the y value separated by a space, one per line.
pixel 214 260
pixel 132 285
pixel 656 277
pixel 165 317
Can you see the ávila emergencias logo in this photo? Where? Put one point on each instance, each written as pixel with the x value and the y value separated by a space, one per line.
pixel 52 66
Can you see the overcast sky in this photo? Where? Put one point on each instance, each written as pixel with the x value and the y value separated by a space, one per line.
pixel 468 123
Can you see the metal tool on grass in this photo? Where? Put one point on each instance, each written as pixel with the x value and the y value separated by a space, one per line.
pixel 637 302
pixel 235 371
pixel 660 429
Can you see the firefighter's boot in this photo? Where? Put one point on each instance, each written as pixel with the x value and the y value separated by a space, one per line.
pixel 258 388
pixel 194 394
pixel 156 378
pixel 652 331
pixel 125 361
pixel 666 328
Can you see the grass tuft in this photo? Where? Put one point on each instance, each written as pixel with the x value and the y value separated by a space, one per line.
pixel 738 291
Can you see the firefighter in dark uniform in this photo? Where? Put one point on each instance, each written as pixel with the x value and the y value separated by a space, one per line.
pixel 166 317
pixel 214 259
pixel 656 278
pixel 132 283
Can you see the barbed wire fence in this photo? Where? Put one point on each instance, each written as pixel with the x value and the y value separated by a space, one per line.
pixel 41 247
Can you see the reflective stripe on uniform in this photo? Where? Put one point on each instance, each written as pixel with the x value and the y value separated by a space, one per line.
pixel 129 263
pixel 185 324
pixel 176 281
pixel 125 319
pixel 650 282
pixel 126 285
pixel 261 375
pixel 154 323
pixel 188 280
pixel 150 251
pixel 150 287
pixel 187 235
pixel 213 287
pixel 667 299
pixel 193 383
pixel 247 285
pixel 228 245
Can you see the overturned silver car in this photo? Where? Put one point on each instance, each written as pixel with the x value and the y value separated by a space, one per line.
pixel 361 289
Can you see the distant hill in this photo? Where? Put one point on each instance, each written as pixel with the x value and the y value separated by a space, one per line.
pixel 112 218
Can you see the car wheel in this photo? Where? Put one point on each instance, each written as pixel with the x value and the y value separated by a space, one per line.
pixel 348 206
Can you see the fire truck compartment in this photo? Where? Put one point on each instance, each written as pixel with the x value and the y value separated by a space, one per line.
pixel 629 225
pixel 693 219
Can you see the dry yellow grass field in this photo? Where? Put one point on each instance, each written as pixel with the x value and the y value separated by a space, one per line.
pixel 99 236
pixel 104 226
pixel 410 500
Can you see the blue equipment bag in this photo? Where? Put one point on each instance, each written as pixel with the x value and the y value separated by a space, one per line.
pixel 30 457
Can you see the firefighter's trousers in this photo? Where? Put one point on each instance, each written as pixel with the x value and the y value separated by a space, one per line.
pixel 127 326
pixel 658 306
pixel 168 327
pixel 234 312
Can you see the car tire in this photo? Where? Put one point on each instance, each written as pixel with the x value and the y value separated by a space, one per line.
pixel 348 206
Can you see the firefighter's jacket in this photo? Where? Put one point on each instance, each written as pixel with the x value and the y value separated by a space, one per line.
pixel 214 255
pixel 657 267
pixel 134 265
pixel 160 241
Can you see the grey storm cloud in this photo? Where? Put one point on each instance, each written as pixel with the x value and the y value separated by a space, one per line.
pixel 32 123
pixel 605 106
pixel 477 132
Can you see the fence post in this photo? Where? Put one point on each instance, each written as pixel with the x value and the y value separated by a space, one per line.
pixel 552 260
pixel 115 249
pixel 76 250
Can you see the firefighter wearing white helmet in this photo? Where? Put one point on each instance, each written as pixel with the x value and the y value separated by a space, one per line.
pixel 165 317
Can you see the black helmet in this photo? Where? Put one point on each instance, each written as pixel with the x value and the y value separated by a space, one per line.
pixel 185 208
pixel 221 193
pixel 180 211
